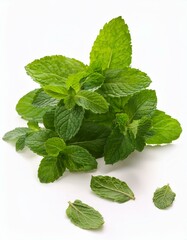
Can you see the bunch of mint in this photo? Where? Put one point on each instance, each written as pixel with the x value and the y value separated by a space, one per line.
pixel 80 112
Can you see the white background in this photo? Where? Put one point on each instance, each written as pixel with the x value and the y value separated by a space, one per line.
pixel 32 29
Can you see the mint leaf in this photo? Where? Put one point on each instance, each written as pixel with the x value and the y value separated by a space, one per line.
pixel 118 146
pixel 93 81
pixel 68 121
pixel 84 216
pixel 56 91
pixel 78 159
pixel 163 197
pixel 41 99
pixel 141 104
pixel 15 134
pixel 33 125
pixel 48 119
pixel 117 103
pixel 92 137
pixel 20 143
pixel 54 146
pixel 112 47
pixel 36 141
pixel 121 83
pixel 91 101
pixel 111 188
pixel 26 109
pixel 165 129
pixel 53 69
pixel 50 169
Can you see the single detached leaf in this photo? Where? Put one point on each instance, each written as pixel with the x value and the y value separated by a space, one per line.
pixel 50 169
pixel 36 141
pixel 141 104
pixel 56 91
pixel 118 146
pixel 92 137
pixel 78 159
pixel 27 110
pixel 112 47
pixel 165 129
pixel 41 99
pixel 68 121
pixel 15 134
pixel 121 83
pixel 91 101
pixel 93 81
pixel 111 188
pixel 84 216
pixel 54 145
pixel 53 69
pixel 48 119
pixel 163 197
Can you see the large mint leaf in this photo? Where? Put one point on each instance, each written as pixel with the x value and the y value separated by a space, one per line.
pixel 118 146
pixel 50 169
pixel 78 159
pixel 84 216
pixel 121 83
pixel 111 188
pixel 36 141
pixel 164 129
pixel 53 69
pixel 163 197
pixel 15 134
pixel 91 101
pixel 92 137
pixel 68 121
pixel 141 104
pixel 27 110
pixel 41 99
pixel 112 47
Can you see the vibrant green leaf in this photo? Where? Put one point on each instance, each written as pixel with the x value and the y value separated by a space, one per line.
pixel 68 121
pixel 122 120
pixel 121 83
pixel 20 143
pixel 92 137
pixel 53 69
pixel 56 91
pixel 163 197
pixel 14 135
pixel 33 125
pixel 141 104
pixel 78 159
pixel 48 119
pixel 118 146
pixel 117 103
pixel 93 81
pixel 165 129
pixel 111 188
pixel 36 141
pixel 41 99
pixel 91 101
pixel 112 47
pixel 26 109
pixel 84 216
pixel 50 169
pixel 54 145
pixel 73 80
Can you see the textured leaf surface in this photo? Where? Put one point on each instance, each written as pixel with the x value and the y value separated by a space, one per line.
pixel 14 134
pixel 54 145
pixel 111 188
pixel 141 104
pixel 36 141
pixel 163 197
pixel 84 216
pixel 121 83
pixel 93 82
pixel 48 119
pixel 50 169
pixel 118 146
pixel 20 143
pixel 164 129
pixel 41 99
pixel 78 159
pixel 56 91
pixel 53 69
pixel 112 47
pixel 92 137
pixel 26 109
pixel 92 101
pixel 68 121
